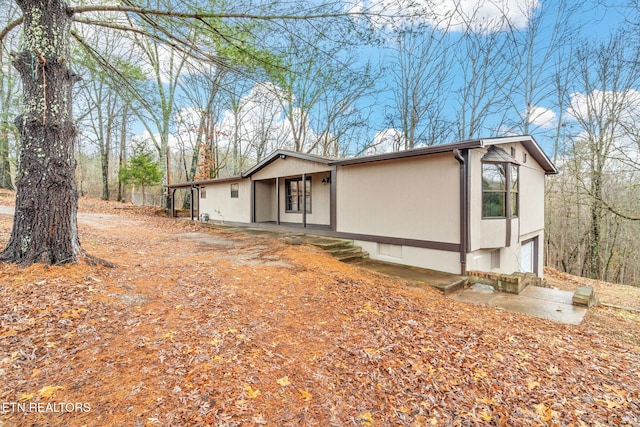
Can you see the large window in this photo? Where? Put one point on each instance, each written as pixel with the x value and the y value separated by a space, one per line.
pixel 295 192
pixel 499 190
pixel 494 190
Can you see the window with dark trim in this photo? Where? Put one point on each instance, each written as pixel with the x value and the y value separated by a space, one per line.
pixel 235 189
pixel 514 183
pixel 294 194
pixel 500 183
pixel 494 190
pixel 203 193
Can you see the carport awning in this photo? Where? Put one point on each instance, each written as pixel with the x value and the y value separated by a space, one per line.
pixel 202 182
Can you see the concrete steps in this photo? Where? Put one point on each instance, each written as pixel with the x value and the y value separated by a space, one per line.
pixel 341 249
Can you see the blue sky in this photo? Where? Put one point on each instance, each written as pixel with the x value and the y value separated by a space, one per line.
pixel 593 20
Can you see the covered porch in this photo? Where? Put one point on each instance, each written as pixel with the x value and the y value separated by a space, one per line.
pixel 306 200
pixel 294 189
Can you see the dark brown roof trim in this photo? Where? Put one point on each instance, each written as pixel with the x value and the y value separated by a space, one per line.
pixel 536 152
pixel 527 140
pixel 423 151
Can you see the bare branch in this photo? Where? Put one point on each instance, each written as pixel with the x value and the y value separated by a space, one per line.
pixel 199 16
pixel 6 30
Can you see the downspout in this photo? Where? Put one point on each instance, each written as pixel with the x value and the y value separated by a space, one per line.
pixel 464 225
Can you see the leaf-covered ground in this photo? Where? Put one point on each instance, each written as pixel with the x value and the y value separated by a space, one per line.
pixel 205 327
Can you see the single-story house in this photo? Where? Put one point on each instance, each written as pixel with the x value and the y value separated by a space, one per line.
pixel 471 205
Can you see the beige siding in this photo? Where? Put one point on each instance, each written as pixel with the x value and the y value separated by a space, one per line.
pixel 492 233
pixel 415 198
pixel 289 166
pixel 418 257
pixel 531 198
pixel 221 207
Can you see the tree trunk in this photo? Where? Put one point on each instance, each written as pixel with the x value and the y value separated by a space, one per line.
pixel 123 151
pixel 105 152
pixel 45 223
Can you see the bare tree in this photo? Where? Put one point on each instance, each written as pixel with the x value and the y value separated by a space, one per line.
pixel 604 78
pixel 202 88
pixel 485 77
pixel 422 68
pixel 542 44
pixel 320 86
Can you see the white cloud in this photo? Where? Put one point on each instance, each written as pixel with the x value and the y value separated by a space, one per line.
pixel 449 15
pixel 542 117
pixel 385 141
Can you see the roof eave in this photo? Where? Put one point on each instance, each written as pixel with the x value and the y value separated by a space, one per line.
pixel 204 182
pixel 424 151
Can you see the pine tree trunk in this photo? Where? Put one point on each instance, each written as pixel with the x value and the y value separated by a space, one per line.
pixel 45 223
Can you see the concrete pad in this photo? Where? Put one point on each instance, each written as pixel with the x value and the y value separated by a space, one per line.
pixel 545 303
pixel 548 294
pixel 556 311
pixel 475 296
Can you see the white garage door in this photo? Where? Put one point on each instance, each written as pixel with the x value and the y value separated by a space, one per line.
pixel 527 257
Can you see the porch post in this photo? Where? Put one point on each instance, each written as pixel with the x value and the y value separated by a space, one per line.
pixel 333 198
pixel 252 201
pixel 173 203
pixel 508 204
pixel 278 200
pixel 304 200
pixel 193 202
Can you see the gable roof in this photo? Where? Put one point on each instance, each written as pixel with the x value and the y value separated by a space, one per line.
pixel 532 147
pixel 283 154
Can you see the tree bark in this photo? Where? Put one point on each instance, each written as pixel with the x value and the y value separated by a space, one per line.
pixel 105 153
pixel 45 222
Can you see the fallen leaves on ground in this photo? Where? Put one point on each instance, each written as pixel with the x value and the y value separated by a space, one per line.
pixel 201 326
pixel 609 293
